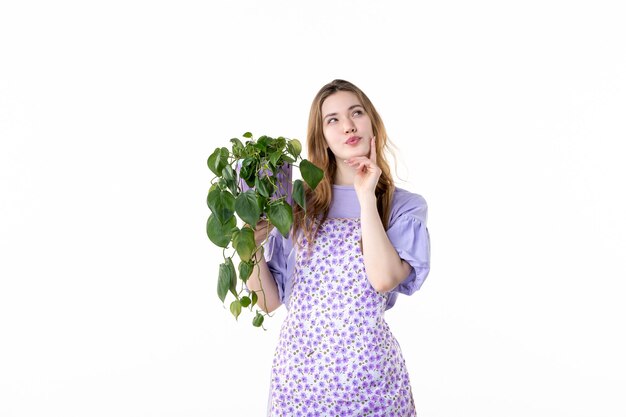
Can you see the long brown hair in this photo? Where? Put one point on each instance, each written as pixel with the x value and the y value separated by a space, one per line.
pixel 318 200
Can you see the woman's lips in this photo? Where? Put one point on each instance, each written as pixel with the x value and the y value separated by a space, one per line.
pixel 353 140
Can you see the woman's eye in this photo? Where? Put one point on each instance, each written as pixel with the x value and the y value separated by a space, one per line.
pixel 357 113
pixel 332 119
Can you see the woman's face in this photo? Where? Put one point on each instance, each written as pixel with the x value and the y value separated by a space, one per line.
pixel 347 128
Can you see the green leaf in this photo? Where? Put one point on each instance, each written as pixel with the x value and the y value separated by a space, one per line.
pixel 248 171
pixel 263 142
pixel 221 203
pixel 223 281
pixel 263 186
pixel 257 321
pixel 244 244
pixel 255 299
pixel 294 147
pixel 298 193
pixel 220 233
pixel 262 202
pixel 279 143
pixel 247 135
pixel 237 147
pixel 236 143
pixel 248 208
pixel 218 160
pixel 235 308
pixel 275 156
pixel 281 216
pixel 230 178
pixel 233 277
pixel 245 270
pixel 310 173
pixel 245 301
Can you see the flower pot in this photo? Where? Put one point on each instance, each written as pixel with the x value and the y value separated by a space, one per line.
pixel 284 180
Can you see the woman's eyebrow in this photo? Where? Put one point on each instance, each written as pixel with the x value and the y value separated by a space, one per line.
pixel 349 108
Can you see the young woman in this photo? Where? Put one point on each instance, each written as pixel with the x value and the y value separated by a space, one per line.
pixel 361 242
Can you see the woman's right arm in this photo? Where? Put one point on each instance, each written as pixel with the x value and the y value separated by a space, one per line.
pixel 261 281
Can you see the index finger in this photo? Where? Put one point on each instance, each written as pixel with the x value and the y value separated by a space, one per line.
pixel 373 149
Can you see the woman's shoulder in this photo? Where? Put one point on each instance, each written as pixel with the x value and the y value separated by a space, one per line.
pixel 405 202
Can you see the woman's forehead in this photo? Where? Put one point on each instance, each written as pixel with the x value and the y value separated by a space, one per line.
pixel 341 100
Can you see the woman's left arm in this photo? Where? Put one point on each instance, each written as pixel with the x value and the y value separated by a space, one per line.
pixel 383 266
pixel 385 270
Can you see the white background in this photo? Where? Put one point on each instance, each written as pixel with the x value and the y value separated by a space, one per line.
pixel 509 117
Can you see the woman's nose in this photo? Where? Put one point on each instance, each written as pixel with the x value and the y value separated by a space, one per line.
pixel 349 127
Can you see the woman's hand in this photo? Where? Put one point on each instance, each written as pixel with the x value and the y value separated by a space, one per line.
pixel 367 172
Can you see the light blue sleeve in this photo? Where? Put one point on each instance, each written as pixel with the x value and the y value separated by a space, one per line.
pixel 409 236
pixel 280 257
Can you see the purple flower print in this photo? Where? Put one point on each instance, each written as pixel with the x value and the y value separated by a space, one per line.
pixel 334 355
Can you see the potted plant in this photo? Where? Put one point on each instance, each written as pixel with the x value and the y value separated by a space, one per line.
pixel 252 181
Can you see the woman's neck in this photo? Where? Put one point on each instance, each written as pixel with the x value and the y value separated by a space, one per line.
pixel 344 174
